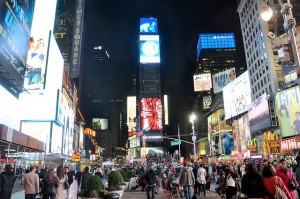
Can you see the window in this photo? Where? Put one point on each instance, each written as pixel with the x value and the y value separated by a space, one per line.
pixel 279 73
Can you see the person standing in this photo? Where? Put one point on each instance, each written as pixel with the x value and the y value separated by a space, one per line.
pixel 31 184
pixel 201 179
pixel 49 185
pixel 7 181
pixel 69 177
pixel 286 174
pixel 186 180
pixel 230 182
pixel 61 190
pixel 85 175
pixel 150 178
pixel 197 188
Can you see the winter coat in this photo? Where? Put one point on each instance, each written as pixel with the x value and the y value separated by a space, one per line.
pixel 269 184
pixel 84 177
pixel 150 177
pixel 49 188
pixel 31 183
pixel 61 191
pixel 7 181
pixel 186 177
pixel 285 175
pixel 70 177
pixel 201 175
pixel 252 185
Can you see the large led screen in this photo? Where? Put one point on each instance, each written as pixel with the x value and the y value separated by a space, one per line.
pixel 243 132
pixel 149 49
pixel 151 114
pixel 166 109
pixel 202 82
pixel 258 113
pixel 100 124
pixel 288 111
pixel 68 132
pixel 217 122
pixel 15 24
pixel 220 80
pixel 131 113
pixel 148 25
pixel 226 142
pixel 237 96
pixel 56 139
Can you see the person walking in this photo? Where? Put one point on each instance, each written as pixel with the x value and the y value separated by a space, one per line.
pixel 150 178
pixel 270 180
pixel 85 175
pixel 252 183
pixel 7 181
pixel 197 188
pixel 230 182
pixel 201 174
pixel 286 174
pixel 31 184
pixel 49 185
pixel 69 178
pixel 186 180
pixel 61 189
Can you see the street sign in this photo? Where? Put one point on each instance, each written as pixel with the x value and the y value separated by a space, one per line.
pixel 173 143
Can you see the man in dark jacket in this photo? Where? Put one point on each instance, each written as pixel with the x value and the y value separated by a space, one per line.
pixel 7 181
pixel 70 179
pixel 150 178
pixel 85 175
pixel 197 185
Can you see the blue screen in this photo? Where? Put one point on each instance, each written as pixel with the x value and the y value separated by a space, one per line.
pixel 148 25
pixel 149 49
pixel 218 40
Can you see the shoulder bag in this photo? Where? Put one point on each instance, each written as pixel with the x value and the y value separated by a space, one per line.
pixel 66 183
pixel 279 193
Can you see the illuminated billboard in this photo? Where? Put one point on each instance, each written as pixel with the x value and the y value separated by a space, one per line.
pixel 206 102
pixel 131 113
pixel 202 82
pixel 148 25
pixel 217 122
pixel 149 49
pixel 226 142
pixel 166 109
pixel 15 25
pixel 258 113
pixel 237 96
pixel 288 111
pixel 215 40
pixel 151 114
pixel 100 124
pixel 221 79
pixel 242 130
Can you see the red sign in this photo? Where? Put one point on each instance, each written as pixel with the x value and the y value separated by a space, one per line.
pixel 289 144
pixel 274 143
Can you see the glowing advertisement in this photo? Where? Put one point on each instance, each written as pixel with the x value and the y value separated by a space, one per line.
pixel 218 122
pixel 243 132
pixel 166 110
pixel 202 82
pixel 131 113
pixel 258 113
pixel 226 142
pixel 206 102
pixel 15 25
pixel 68 132
pixel 149 49
pixel 151 151
pixel 237 96
pixel 148 25
pixel 288 111
pixel 151 114
pixel 220 80
pixel 100 124
pixel 56 139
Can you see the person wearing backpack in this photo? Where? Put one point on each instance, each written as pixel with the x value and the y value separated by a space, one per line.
pixel 150 178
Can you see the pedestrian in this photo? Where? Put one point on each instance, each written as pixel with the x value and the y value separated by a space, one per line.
pixel 61 189
pixel 49 185
pixel 85 175
pixel 201 174
pixel 78 176
pixel 186 180
pixel 252 183
pixel 7 181
pixel 230 182
pixel 286 174
pixel 270 180
pixel 31 184
pixel 69 178
pixel 150 178
pixel 197 188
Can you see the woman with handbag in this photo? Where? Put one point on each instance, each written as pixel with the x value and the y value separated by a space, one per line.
pixel 287 177
pixel 252 183
pixel 61 190
pixel 49 185
pixel 270 181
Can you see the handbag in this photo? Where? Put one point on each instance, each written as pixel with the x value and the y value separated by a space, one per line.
pixel 66 183
pixel 279 193
pixel 292 184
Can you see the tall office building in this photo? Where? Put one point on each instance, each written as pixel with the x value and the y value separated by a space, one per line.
pixel 265 73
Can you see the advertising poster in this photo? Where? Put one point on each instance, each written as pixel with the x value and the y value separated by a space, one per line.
pixel 218 122
pixel 237 96
pixel 131 113
pixel 100 124
pixel 243 132
pixel 227 142
pixel 151 114
pixel 288 111
pixel 220 80
pixel 151 151
pixel 259 116
pixel 271 143
pixel 149 49
pixel 56 139
pixel 15 25
pixel 148 25
pixel 206 102
pixel 298 38
pixel 166 109
pixel 202 82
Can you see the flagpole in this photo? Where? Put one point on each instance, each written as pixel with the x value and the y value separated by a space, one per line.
pixel 179 154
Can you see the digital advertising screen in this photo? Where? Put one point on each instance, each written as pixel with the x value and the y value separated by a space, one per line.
pixel 202 82
pixel 149 49
pixel 226 142
pixel 206 102
pixel 288 111
pixel 237 96
pixel 151 114
pixel 100 124
pixel 56 139
pixel 68 132
pixel 243 132
pixel 220 80
pixel 131 113
pixel 166 109
pixel 258 113
pixel 15 25
pixel 148 25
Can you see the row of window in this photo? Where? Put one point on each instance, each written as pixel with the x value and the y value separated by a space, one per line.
pixel 247 7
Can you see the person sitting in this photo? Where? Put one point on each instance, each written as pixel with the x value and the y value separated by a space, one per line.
pixel 133 183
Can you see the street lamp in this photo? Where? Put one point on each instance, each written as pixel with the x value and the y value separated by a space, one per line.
pixel 192 118
pixel 288 24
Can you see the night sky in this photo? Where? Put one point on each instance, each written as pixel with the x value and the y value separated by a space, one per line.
pixel 114 25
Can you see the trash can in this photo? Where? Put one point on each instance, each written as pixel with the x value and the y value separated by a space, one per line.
pixel 112 196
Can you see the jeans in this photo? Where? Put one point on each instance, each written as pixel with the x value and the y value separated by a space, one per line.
pixel 148 189
pixel 47 196
pixel 202 188
pixel 197 188
pixel 30 196
pixel 187 191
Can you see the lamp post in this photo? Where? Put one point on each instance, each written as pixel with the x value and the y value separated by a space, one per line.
pixel 192 118
pixel 288 24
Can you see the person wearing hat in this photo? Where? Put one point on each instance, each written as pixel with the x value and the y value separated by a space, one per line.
pixel 7 181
